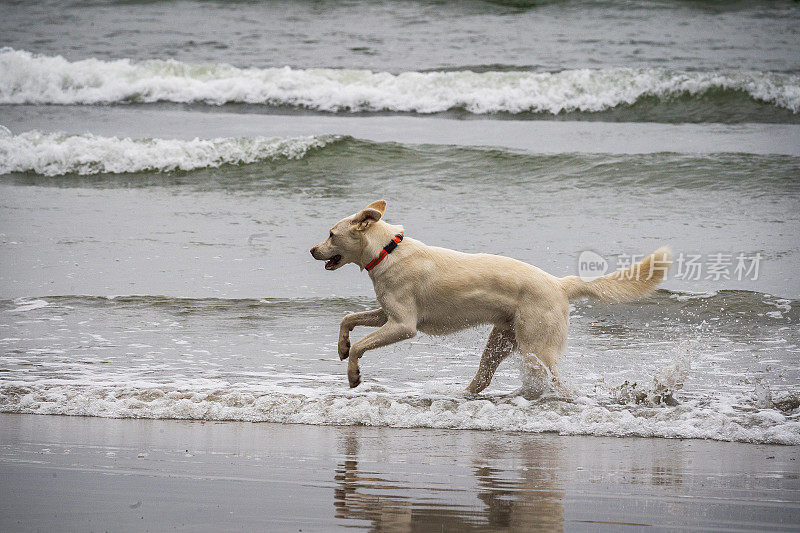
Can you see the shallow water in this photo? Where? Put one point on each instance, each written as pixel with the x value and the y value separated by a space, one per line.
pixel 715 367
pixel 195 174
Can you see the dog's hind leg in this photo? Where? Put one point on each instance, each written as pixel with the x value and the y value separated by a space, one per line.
pixel 498 347
pixel 541 338
pixel 375 318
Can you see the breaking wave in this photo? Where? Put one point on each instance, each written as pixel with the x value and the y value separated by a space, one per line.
pixel 26 78
pixel 55 154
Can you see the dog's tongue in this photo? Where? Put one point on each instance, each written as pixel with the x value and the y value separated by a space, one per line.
pixel 330 263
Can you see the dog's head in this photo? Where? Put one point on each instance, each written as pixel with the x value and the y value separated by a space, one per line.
pixel 346 240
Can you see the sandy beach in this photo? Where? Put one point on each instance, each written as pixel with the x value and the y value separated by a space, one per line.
pixel 90 474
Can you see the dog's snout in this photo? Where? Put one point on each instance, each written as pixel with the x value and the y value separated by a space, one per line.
pixel 313 250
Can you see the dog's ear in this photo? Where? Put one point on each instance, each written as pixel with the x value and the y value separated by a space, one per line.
pixel 379 205
pixel 366 217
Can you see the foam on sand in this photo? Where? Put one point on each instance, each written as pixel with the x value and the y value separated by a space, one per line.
pixel 374 407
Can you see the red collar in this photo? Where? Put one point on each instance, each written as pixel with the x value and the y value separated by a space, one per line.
pixel 389 248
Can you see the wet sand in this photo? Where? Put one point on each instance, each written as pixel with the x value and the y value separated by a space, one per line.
pixel 92 474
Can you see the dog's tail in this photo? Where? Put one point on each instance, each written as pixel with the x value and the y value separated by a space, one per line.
pixel 628 283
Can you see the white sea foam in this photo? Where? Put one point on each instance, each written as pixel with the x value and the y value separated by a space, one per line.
pixel 271 403
pixel 56 154
pixel 27 304
pixel 26 78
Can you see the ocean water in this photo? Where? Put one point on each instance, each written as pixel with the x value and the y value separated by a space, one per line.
pixel 160 187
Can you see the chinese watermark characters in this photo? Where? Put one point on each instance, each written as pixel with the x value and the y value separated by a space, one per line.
pixel 716 266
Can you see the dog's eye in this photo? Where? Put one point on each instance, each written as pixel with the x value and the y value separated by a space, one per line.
pixel 331 235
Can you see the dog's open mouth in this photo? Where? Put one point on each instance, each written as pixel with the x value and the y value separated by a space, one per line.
pixel 333 262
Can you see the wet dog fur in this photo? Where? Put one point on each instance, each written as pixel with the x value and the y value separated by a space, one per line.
pixel 438 291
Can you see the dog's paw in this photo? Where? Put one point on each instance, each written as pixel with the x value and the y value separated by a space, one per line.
pixel 344 348
pixel 354 378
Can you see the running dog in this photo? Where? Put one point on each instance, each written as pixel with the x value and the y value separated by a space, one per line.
pixel 438 291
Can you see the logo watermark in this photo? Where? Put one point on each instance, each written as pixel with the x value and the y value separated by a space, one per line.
pixel 715 266
pixel 591 265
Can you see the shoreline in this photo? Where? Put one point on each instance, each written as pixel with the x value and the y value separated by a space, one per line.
pixel 85 473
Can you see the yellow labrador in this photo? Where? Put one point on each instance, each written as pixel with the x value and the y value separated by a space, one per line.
pixel 437 291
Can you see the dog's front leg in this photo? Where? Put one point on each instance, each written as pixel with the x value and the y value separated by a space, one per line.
pixel 374 318
pixel 392 331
